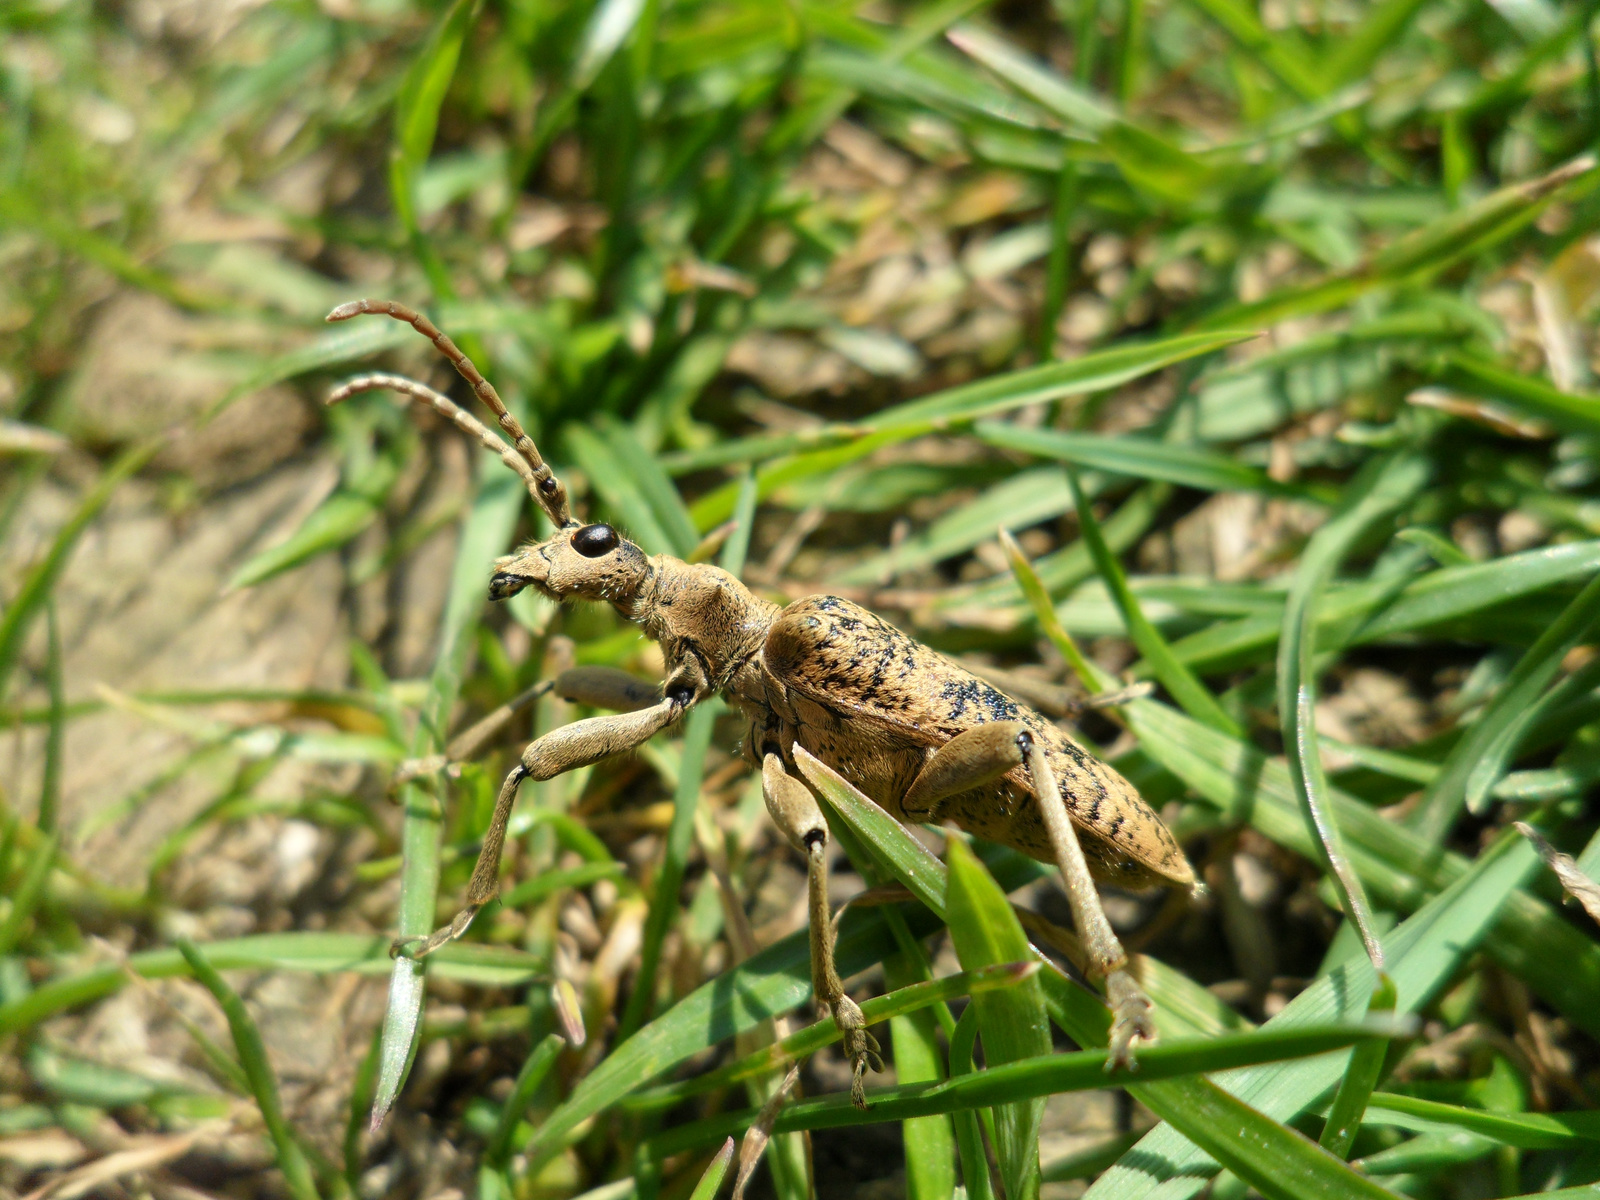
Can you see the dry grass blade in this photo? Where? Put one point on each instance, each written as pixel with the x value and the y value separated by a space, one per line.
pixel 146 1155
pixel 754 1143
pixel 1577 884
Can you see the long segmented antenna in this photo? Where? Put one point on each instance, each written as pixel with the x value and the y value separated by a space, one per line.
pixel 543 486
pixel 378 381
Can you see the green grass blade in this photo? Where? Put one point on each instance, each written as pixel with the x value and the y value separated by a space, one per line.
pixel 1141 458
pixel 1012 1022
pixel 1358 51
pixel 253 1058
pixel 706 1189
pixel 29 891
pixel 337 520
pixel 1183 1007
pixel 1278 53
pixel 736 550
pixel 929 1142
pixel 1066 99
pixel 361 1093
pixel 1030 1079
pixel 1460 235
pixel 970 1125
pixel 1044 612
pixel 1231 1132
pixel 1527 1131
pixel 1360 1077
pixel 319 953
pixel 1424 953
pixel 772 982
pixel 532 1073
pixel 1480 758
pixel 1024 499
pixel 55 735
pixel 1093 372
pixel 416 121
pixel 812 1038
pixel 487 530
pixel 625 494
pixel 669 875
pixel 1470 230
pixel 1174 676
pixel 1374 496
pixel 1566 411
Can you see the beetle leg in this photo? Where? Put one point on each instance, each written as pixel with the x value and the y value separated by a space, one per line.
pixel 968 760
pixel 470 742
pixel 796 813
pixel 598 687
pixel 606 687
pixel 561 750
pixel 1130 1007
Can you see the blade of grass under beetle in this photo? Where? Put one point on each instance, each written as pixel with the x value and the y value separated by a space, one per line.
pixel 929 1142
pixel 1183 1007
pixel 772 982
pixel 1012 1023
pixel 1382 487
pixel 483 536
pixel 1424 953
pixel 253 1058
pixel 1481 757
pixel 675 853
pixel 1026 1081
pixel 825 1032
pixel 970 1126
pixel 1360 1077
pixel 1188 691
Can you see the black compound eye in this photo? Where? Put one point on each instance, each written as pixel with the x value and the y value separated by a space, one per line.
pixel 594 540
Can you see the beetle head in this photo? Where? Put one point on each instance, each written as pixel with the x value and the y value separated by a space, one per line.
pixel 582 562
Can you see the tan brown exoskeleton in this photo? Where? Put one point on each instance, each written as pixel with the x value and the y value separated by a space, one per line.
pixel 917 734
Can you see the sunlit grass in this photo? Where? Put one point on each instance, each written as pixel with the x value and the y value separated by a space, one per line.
pixel 1269 333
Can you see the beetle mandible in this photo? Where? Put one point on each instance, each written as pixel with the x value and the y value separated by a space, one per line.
pixel 919 735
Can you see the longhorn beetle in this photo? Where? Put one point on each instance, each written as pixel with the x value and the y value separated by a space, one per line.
pixel 917 734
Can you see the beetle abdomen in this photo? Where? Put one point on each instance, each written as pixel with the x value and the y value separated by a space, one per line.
pixel 873 702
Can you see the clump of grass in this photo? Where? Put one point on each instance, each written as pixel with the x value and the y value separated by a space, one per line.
pixel 1268 334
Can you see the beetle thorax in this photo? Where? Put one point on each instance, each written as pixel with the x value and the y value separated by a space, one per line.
pixel 701 610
